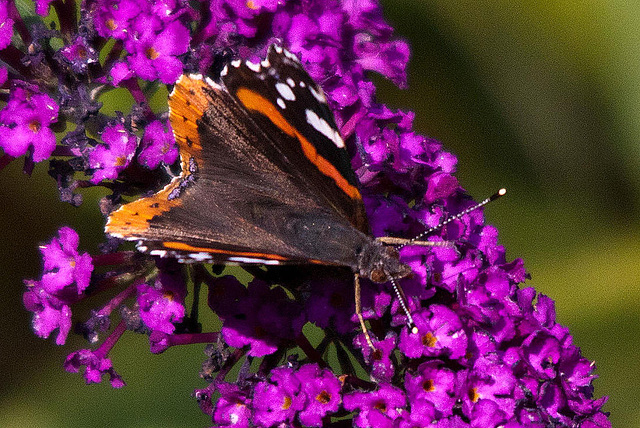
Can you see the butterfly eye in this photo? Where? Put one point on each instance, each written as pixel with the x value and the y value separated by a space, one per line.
pixel 378 275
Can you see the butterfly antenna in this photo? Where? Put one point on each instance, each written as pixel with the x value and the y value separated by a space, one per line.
pixel 403 303
pixel 491 198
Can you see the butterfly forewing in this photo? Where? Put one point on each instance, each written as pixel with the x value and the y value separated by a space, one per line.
pixel 282 99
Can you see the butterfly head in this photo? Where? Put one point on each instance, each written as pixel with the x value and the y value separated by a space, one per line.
pixel 381 263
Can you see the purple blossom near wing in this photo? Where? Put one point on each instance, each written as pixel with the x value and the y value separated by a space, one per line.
pixel 25 122
pixel 158 146
pixel 488 352
pixel 114 155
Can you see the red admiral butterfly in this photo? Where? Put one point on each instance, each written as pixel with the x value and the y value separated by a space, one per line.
pixel 266 178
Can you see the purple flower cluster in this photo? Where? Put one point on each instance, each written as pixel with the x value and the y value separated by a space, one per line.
pixel 488 351
pixel 152 34
pixel 66 276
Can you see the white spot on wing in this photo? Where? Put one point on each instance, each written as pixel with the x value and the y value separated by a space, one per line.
pixel 236 63
pixel 302 84
pixel 278 48
pixel 318 95
pixel 211 83
pixel 324 128
pixel 200 257
pixel 159 253
pixel 285 91
pixel 291 56
pixel 290 82
pixel 253 66
pixel 265 63
pixel 281 103
pixel 224 71
pixel 252 260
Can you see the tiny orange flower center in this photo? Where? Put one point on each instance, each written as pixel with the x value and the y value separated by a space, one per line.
pixel 324 397
pixel 152 53
pixel 286 403
pixel 381 405
pixel 121 161
pixel 168 295
pixel 428 385
pixel 35 126
pixel 429 340
pixel 251 5
pixel 111 24
pixel 473 395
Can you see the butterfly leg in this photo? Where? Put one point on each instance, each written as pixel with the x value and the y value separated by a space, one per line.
pixel 359 311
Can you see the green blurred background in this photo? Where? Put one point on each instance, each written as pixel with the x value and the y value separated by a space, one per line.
pixel 541 97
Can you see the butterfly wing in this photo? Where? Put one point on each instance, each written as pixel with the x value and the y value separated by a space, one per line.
pixel 282 99
pixel 253 187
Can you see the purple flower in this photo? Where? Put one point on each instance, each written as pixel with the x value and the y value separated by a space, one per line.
pixel 378 408
pixel 421 415
pixel 119 72
pixel 49 312
pixel 389 59
pixel 487 413
pixel 322 392
pixel 440 333
pixel 434 383
pixel 66 275
pixel 96 365
pixel 159 306
pixel 490 379
pixel 113 17
pixel 233 408
pixel 6 24
pixel 542 351
pixel 79 54
pixel 63 265
pixel 25 121
pixel 42 7
pixel 154 52
pixel 379 359
pixel 112 157
pixel 158 146
pixel 279 399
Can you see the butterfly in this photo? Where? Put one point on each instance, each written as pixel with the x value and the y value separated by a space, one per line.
pixel 265 178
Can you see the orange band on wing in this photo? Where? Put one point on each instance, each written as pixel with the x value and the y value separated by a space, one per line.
pixel 181 246
pixel 132 219
pixel 254 101
pixel 187 104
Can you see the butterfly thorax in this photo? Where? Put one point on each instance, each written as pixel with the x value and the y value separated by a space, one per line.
pixel 379 263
